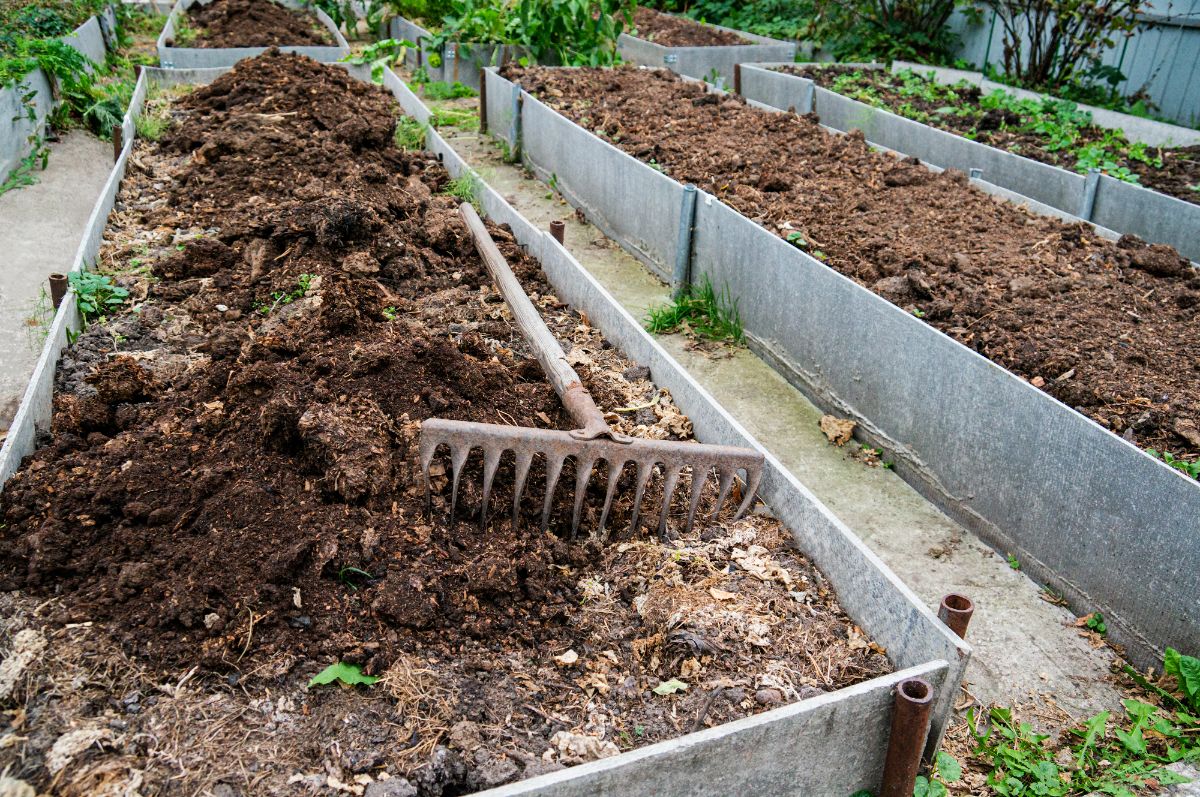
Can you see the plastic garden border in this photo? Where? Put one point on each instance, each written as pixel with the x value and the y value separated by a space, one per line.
pixel 1102 200
pixel 170 57
pixel 16 128
pixel 830 744
pixel 699 62
pixel 1105 524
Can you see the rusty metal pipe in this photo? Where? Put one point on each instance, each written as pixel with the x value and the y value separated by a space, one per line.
pixel 58 288
pixel 118 137
pixel 955 612
pixel 737 79
pixel 910 726
pixel 558 229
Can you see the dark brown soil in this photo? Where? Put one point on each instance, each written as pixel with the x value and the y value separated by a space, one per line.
pixel 1179 173
pixel 1107 328
pixel 670 30
pixel 254 23
pixel 230 497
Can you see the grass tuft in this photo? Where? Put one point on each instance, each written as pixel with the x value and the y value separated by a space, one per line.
pixel 410 134
pixel 701 311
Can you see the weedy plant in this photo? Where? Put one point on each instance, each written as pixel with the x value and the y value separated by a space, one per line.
pixel 280 298
pixel 702 311
pixel 441 90
pixel 96 295
pixel 410 134
pixel 460 118
pixel 1191 468
pixel 380 55
pixel 466 187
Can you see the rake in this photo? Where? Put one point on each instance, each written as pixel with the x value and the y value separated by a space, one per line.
pixel 591 443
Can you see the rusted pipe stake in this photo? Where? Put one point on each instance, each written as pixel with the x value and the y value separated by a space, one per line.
pixel 910 726
pixel 558 229
pixel 482 100
pixel 737 79
pixel 58 288
pixel 955 612
pixel 118 136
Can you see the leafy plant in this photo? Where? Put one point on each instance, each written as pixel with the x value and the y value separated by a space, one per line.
pixel 1133 758
pixel 23 173
pixel 945 770
pixel 701 310
pixel 567 32
pixel 96 295
pixel 347 575
pixel 1095 622
pixel 886 29
pixel 347 674
pixel 441 90
pixel 1191 468
pixel 1186 671
pixel 1013 562
pixel 280 298
pixel 380 56
pixel 461 118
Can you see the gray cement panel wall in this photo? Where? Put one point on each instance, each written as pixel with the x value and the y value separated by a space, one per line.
pixel 1082 509
pixel 699 62
pixel 23 122
pixel 171 57
pixel 833 744
pixel 1124 208
pixel 460 62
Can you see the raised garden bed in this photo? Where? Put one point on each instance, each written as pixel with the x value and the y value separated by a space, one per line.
pixel 1051 178
pixel 241 446
pixel 222 32
pixel 26 105
pixel 1029 293
pixel 455 62
pixel 1052 131
pixel 696 49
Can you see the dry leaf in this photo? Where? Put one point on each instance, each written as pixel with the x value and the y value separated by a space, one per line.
pixel 721 595
pixel 566 659
pixel 838 430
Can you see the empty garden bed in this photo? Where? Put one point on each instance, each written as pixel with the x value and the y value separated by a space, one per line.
pixel 229 499
pixel 222 32
pixel 1105 327
pixel 670 30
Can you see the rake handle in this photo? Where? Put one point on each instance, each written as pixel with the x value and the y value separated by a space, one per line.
pixel 549 354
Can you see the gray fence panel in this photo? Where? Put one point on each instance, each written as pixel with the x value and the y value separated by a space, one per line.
pixel 1148 214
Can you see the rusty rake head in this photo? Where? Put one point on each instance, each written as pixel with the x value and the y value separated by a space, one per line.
pixel 463 437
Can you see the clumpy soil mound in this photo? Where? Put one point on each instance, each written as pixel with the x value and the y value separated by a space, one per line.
pixel 1178 176
pixel 1107 328
pixel 255 23
pixel 670 30
pixel 230 499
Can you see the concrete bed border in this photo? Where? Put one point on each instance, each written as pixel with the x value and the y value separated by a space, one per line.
pixel 1096 198
pixel 1084 511
pixel 830 744
pixel 91 39
pixel 699 62
pixel 216 57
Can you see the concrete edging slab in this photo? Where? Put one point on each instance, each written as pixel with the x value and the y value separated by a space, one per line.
pixel 831 744
pixel 170 57
pixel 1113 204
pixel 1083 510
pixel 700 62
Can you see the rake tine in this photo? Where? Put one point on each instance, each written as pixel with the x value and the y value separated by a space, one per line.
pixel 583 472
pixel 668 488
pixel 645 467
pixel 614 473
pixel 553 469
pixel 427 452
pixel 726 476
pixel 458 458
pixel 524 458
pixel 699 479
pixel 491 461
pixel 754 477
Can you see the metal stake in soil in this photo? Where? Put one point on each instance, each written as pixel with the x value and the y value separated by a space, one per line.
pixel 681 279
pixel 58 288
pixel 910 726
pixel 591 443
pixel 483 101
pixel 558 229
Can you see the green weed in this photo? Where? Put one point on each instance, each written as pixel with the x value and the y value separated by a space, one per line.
pixel 96 295
pixel 441 90
pixel 380 55
pixel 1013 562
pixel 460 118
pixel 1191 468
pixel 25 172
pixel 466 188
pixel 409 135
pixel 280 298
pixel 701 311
